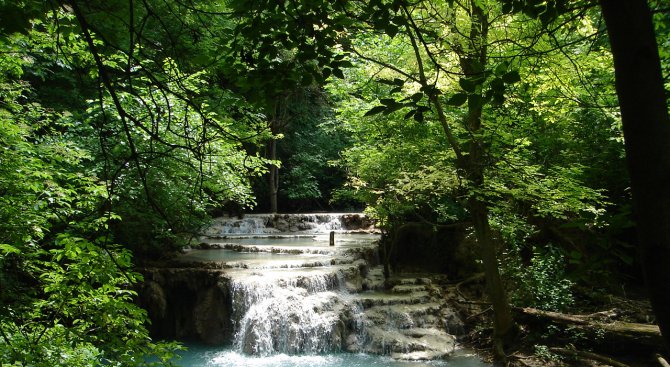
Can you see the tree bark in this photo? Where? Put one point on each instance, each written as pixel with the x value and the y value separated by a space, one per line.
pixel 273 179
pixel 503 322
pixel 646 126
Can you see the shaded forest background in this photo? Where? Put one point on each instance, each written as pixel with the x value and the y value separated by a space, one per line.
pixel 126 125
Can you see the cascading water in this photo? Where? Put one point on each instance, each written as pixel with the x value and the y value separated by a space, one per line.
pixel 248 225
pixel 290 293
pixel 288 223
pixel 285 318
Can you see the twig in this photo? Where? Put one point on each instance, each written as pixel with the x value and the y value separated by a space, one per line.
pixel 469 280
pixel 490 308
pixel 468 302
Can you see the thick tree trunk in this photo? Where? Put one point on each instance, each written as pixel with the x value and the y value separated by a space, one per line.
pixel 646 126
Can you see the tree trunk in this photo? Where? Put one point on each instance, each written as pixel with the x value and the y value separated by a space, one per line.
pixel 646 126
pixel 273 180
pixel 472 167
pixel 273 175
pixel 503 323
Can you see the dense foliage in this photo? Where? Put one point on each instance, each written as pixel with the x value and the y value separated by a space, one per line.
pixel 103 152
pixel 125 124
pixel 552 144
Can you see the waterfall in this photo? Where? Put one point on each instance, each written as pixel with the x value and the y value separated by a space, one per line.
pixel 275 286
pixel 257 224
pixel 289 223
pixel 291 315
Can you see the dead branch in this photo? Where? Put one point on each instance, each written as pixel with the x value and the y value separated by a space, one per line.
pixel 662 361
pixel 614 335
pixel 588 355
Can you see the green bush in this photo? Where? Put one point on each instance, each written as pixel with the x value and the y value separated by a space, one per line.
pixel 541 283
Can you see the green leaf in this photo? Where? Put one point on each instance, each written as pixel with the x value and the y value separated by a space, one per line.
pixel 391 30
pixel 8 249
pixel 375 110
pixel 546 18
pixel 507 7
pixel 498 85
pixel 393 108
pixel 387 81
pixel 489 94
pixel 416 97
pixel 467 85
pixel 511 77
pixel 346 64
pixel 477 67
pixel 475 101
pixel 429 90
pixel 457 99
pixel 326 73
pixel 306 80
pixel 498 99
pixel 501 68
pixel 418 116
pixel 338 73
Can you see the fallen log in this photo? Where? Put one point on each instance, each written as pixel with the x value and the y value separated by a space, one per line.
pixel 662 361
pixel 589 355
pixel 619 336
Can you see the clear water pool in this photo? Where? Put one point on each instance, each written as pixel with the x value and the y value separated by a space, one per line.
pixel 206 356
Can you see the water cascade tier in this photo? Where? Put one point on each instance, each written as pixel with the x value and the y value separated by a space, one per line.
pixel 273 284
pixel 290 223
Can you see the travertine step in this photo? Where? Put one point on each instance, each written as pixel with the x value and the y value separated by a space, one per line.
pixel 410 344
pixel 404 280
pixel 376 298
pixel 404 316
pixel 409 288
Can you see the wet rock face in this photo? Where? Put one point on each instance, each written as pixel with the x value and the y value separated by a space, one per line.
pixel 357 222
pixel 154 299
pixel 189 304
pixel 210 319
